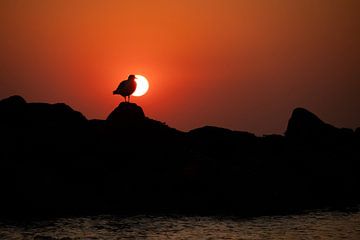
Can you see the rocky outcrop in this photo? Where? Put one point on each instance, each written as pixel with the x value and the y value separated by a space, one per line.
pixel 16 111
pixel 52 159
pixel 126 113
pixel 304 125
pixel 12 110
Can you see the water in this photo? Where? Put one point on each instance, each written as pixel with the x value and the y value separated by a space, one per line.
pixel 314 225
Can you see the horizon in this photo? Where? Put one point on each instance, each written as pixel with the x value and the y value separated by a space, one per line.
pixel 233 64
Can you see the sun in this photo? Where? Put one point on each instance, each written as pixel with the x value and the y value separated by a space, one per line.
pixel 142 86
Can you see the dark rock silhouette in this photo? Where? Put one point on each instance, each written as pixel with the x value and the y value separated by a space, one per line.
pixel 15 110
pixel 126 113
pixel 12 103
pixel 306 128
pixel 53 161
pixel 12 110
pixel 304 125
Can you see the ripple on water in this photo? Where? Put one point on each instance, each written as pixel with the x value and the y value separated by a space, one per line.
pixel 316 225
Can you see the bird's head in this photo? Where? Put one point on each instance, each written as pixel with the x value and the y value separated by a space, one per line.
pixel 131 77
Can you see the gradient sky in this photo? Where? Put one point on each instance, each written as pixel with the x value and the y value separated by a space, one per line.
pixel 239 64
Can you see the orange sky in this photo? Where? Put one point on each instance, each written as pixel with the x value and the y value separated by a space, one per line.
pixel 238 64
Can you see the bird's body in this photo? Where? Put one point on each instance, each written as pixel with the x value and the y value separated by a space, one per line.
pixel 126 87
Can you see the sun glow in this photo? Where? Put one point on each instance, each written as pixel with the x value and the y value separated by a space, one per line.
pixel 142 86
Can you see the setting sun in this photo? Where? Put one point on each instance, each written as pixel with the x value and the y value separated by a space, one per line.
pixel 142 86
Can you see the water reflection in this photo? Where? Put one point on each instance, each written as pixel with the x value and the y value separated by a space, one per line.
pixel 316 225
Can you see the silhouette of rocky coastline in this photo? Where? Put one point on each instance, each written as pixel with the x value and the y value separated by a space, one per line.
pixel 54 161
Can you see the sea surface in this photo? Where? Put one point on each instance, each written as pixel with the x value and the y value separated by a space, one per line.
pixel 311 225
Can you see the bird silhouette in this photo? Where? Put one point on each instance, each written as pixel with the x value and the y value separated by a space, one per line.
pixel 126 87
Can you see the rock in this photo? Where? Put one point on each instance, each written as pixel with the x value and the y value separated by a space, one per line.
pixel 12 102
pixel 220 135
pixel 12 110
pixel 16 111
pixel 59 113
pixel 304 125
pixel 223 144
pixel 55 161
pixel 126 113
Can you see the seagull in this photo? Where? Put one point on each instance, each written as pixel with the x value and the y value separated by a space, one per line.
pixel 126 87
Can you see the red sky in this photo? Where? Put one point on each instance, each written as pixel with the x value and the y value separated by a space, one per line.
pixel 243 65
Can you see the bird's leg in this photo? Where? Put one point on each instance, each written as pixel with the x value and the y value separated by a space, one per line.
pixel 125 99
pixel 129 98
